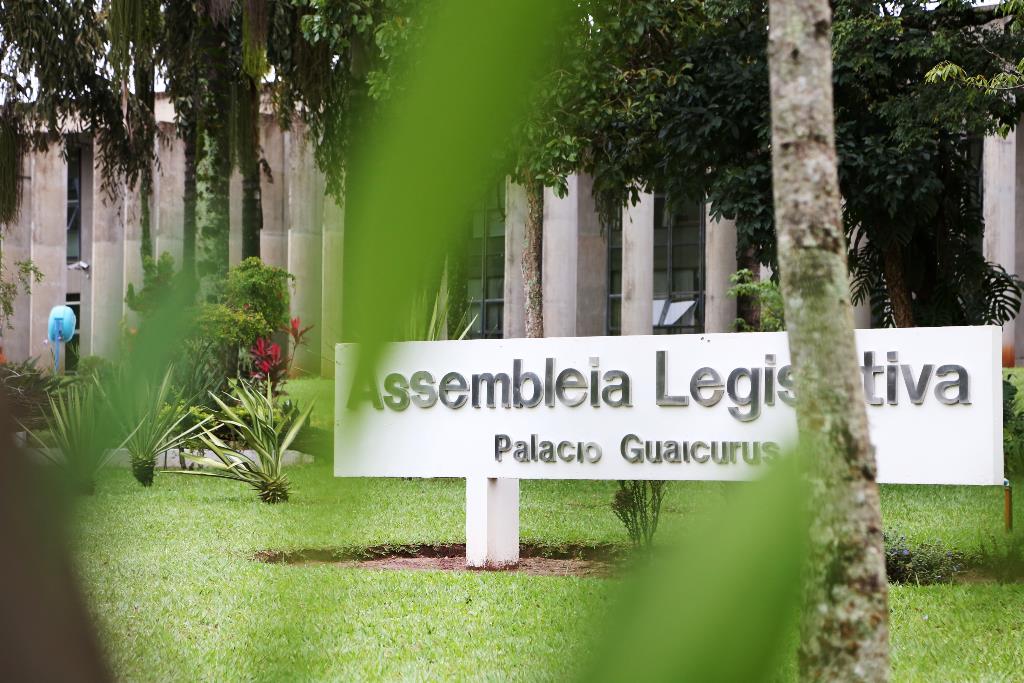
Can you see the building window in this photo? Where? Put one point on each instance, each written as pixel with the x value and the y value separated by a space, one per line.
pixel 678 305
pixel 74 208
pixel 72 348
pixel 485 266
pixel 678 267
pixel 615 277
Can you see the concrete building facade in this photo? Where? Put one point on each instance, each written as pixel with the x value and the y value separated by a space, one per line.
pixel 663 268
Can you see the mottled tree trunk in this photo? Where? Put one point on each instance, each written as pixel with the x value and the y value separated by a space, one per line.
pixel 249 156
pixel 188 241
pixel 213 170
pixel 896 286
pixel 533 259
pixel 844 633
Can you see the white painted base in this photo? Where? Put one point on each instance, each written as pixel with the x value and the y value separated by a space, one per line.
pixel 492 522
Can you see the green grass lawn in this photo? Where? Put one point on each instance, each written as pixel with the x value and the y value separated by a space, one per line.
pixel 171 581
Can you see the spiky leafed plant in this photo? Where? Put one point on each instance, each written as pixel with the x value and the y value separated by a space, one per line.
pixel 256 423
pixel 155 422
pixel 81 438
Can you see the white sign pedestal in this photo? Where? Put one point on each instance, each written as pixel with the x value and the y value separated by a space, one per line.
pixel 716 407
pixel 492 522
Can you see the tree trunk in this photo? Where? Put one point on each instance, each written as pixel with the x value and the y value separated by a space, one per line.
pixel 188 241
pixel 533 259
pixel 896 286
pixel 213 170
pixel 249 156
pixel 844 633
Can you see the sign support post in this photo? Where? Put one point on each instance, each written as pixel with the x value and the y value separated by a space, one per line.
pixel 492 522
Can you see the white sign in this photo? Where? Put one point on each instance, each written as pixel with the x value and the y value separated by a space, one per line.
pixel 713 406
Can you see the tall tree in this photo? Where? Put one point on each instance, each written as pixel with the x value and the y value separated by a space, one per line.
pixel 845 622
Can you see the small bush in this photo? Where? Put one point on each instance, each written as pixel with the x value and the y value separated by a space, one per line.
pixel 1013 432
pixel 766 294
pixel 923 564
pixel 637 504
pixel 257 423
pixel 254 287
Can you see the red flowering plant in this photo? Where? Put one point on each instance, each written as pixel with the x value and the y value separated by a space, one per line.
pixel 269 364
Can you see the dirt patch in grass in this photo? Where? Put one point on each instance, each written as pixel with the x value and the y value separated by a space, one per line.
pixel 540 560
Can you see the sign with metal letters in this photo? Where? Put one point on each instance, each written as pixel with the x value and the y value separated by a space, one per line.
pixel 712 406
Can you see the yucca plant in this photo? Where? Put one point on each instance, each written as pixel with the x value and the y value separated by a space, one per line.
pixel 264 430
pixel 81 432
pixel 155 422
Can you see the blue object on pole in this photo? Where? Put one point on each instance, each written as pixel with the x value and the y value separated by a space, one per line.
pixel 60 329
pixel 62 324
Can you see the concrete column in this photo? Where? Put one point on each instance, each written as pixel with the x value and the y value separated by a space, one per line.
pixel 561 254
pixel 274 236
pixel 719 265
pixel 168 217
pixel 49 244
pixel 305 244
pixel 638 266
pixel 514 311
pixel 492 522
pixel 333 255
pixel 999 175
pixel 591 264
pixel 235 218
pixel 15 246
pixel 106 271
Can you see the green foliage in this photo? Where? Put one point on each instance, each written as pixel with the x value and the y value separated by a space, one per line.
pixel 155 421
pixel 25 274
pixel 95 368
pixel 637 504
pixel 921 564
pixel 1013 432
pixel 157 277
pixel 79 430
pixel 768 297
pixel 254 287
pixel 439 319
pixel 261 428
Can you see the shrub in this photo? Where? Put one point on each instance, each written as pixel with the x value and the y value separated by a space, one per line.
pixel 154 421
pixel 637 504
pixel 254 287
pixel 766 294
pixel 922 564
pixel 81 429
pixel 262 427
pixel 1013 432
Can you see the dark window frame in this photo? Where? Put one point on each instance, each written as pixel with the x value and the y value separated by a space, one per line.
pixel 480 252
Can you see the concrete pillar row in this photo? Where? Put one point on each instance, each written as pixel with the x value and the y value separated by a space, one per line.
pixel 101 327
pixel 560 258
pixel 591 263
pixel 133 244
pixel 16 245
pixel 333 271
pixel 719 265
pixel 638 266
pixel 168 217
pixel 49 243
pixel 999 177
pixel 305 191
pixel 273 194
